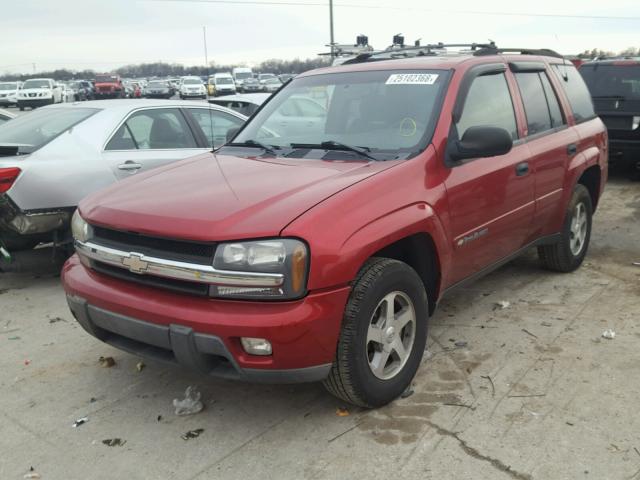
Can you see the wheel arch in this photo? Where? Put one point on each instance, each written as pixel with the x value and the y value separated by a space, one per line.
pixel 591 178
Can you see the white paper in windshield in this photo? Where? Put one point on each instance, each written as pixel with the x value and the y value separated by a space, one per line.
pixel 412 79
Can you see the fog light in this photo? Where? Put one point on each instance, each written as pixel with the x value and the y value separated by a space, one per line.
pixel 256 346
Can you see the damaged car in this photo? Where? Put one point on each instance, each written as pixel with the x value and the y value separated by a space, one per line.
pixel 52 158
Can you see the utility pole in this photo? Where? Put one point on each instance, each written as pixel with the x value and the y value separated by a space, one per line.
pixel 206 56
pixel 331 28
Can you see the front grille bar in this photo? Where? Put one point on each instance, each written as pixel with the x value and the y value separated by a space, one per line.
pixel 147 265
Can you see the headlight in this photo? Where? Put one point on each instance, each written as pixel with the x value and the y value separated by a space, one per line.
pixel 287 256
pixel 80 229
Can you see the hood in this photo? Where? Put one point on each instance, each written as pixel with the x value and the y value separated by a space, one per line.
pixel 215 198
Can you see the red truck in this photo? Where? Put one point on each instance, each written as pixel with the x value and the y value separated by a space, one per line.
pixel 315 246
pixel 108 86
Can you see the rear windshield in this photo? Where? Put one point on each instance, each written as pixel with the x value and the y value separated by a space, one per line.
pixel 192 81
pixel 36 84
pixel 106 79
pixel 389 113
pixel 224 80
pixel 612 81
pixel 158 84
pixel 36 129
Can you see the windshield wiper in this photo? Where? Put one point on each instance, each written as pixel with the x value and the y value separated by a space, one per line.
pixel 333 145
pixel 270 149
pixel 618 97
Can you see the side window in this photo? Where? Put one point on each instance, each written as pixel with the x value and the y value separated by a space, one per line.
pixel 557 119
pixel 535 102
pixel 577 92
pixel 488 104
pixel 154 129
pixel 215 125
pixel 122 140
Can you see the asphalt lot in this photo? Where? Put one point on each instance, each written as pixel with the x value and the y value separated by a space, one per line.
pixel 536 393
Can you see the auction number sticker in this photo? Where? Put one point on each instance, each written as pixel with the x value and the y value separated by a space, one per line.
pixel 412 79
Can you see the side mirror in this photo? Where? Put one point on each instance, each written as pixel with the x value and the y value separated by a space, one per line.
pixel 232 132
pixel 480 142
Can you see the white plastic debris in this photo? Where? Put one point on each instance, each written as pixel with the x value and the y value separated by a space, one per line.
pixel 609 334
pixel 190 404
pixel 32 476
pixel 502 305
pixel 80 421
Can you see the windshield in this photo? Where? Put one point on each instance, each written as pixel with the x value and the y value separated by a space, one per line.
pixel 272 80
pixel 613 81
pixel 265 76
pixel 106 79
pixel 158 85
pixel 224 81
pixel 192 81
pixel 8 86
pixel 36 84
pixel 38 128
pixel 243 75
pixel 391 114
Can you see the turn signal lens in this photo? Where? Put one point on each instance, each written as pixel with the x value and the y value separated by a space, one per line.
pixel 298 268
pixel 8 176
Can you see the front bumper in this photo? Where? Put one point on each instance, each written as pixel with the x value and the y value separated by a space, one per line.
pixel 193 94
pixel 204 334
pixel 34 102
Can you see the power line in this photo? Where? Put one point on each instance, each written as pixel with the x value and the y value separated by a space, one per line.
pixel 289 3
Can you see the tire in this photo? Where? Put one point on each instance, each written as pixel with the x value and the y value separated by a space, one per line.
pixel 352 376
pixel 566 255
pixel 21 108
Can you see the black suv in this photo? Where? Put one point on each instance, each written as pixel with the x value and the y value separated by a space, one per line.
pixel 615 88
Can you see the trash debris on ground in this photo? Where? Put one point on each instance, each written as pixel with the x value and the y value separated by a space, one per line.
pixel 547 324
pixel 190 404
pixel 114 442
pixel 342 412
pixel 609 334
pixel 461 344
pixel 407 393
pixel 637 264
pixel 501 305
pixel 56 320
pixel 93 400
pixel 192 434
pixel 13 338
pixel 140 366
pixel 106 362
pixel 27 362
pixel 80 421
pixel 159 418
pixel 529 333
pixel 31 475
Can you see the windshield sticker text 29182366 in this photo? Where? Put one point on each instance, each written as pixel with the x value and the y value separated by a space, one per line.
pixel 412 79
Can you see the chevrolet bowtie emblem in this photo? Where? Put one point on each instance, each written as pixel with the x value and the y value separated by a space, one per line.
pixel 135 263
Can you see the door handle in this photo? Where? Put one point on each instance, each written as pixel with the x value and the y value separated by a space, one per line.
pixel 572 149
pixel 130 166
pixel 522 169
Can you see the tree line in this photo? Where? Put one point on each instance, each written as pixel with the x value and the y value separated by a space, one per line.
pixel 161 69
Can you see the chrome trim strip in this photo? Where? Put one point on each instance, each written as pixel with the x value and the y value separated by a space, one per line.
pixel 177 270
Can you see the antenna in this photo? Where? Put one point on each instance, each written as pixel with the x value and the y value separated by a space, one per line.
pixel 206 63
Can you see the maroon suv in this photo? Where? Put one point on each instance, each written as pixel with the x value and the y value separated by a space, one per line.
pixel 316 244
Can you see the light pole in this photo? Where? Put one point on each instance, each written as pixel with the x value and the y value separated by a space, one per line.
pixel 331 27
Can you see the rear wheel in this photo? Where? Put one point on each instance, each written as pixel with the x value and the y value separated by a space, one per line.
pixel 568 254
pixel 383 336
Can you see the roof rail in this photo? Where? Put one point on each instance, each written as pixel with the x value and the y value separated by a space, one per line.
pixel 493 50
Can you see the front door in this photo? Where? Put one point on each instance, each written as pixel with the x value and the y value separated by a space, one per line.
pixel 491 200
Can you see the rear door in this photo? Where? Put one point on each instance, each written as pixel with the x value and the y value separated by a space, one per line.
pixel 150 138
pixel 550 141
pixel 491 200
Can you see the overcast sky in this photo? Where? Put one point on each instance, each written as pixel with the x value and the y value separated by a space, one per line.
pixel 105 34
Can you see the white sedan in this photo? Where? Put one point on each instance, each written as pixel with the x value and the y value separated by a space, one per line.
pixel 53 157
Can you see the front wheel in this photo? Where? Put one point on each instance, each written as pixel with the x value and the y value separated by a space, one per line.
pixel 568 253
pixel 383 336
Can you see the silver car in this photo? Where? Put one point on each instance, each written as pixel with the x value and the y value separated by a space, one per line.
pixel 53 157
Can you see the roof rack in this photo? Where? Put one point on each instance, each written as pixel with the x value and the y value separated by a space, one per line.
pixel 399 50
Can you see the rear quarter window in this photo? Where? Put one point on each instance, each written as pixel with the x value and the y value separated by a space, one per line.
pixel 577 92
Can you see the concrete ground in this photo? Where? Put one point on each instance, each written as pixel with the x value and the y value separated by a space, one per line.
pixel 536 393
